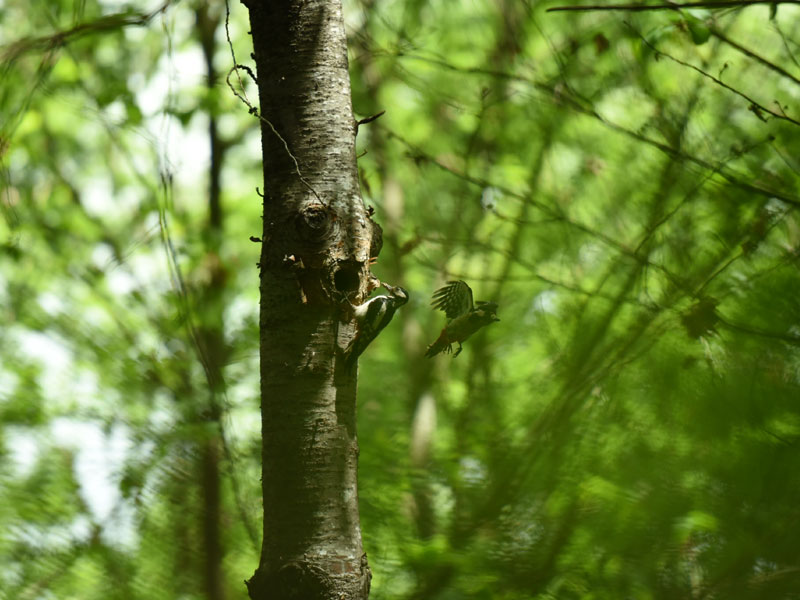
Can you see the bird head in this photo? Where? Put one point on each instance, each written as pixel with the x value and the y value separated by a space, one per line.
pixel 487 311
pixel 399 294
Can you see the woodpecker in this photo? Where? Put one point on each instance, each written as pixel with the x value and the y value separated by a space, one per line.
pixel 463 317
pixel 371 318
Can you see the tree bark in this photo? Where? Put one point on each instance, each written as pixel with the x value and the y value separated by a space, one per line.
pixel 317 242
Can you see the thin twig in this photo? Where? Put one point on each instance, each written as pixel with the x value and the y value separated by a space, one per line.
pixel 775 335
pixel 575 102
pixel 14 50
pixel 233 54
pixel 418 154
pixel 369 119
pixel 755 106
pixel 747 52
pixel 249 71
pixel 785 43
pixel 252 109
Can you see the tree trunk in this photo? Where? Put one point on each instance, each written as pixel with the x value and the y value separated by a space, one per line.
pixel 210 337
pixel 317 241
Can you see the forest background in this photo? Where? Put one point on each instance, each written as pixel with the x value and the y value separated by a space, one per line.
pixel 623 184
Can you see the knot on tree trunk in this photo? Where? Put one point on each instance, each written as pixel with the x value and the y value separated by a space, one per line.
pixel 315 224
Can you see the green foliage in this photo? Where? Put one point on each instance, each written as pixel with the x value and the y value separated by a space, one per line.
pixel 602 440
pixel 624 185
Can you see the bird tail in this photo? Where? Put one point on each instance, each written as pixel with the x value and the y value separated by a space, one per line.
pixel 441 344
pixel 350 355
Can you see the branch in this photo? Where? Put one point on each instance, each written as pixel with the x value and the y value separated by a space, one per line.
pixel 770 65
pixel 773 335
pixel 609 241
pixel 571 100
pixel 14 50
pixel 667 6
pixel 754 107
pixel 370 119
pixel 254 111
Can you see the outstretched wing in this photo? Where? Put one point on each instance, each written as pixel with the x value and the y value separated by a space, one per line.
pixel 455 299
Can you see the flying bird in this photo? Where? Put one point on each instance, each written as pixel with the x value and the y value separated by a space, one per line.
pixel 463 317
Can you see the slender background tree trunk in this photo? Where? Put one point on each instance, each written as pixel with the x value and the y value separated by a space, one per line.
pixel 211 332
pixel 317 241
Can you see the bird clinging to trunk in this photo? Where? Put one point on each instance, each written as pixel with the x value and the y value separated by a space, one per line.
pixel 371 318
